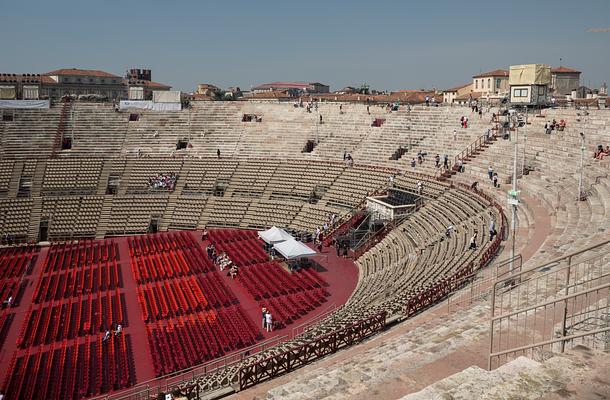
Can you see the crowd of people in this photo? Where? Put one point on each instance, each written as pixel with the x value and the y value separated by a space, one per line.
pixel 222 260
pixel 163 181
pixel 322 231
pixel 550 126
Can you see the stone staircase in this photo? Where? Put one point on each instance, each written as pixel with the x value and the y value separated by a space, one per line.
pixel 578 374
pixel 104 217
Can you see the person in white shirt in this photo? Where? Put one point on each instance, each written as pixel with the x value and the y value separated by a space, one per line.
pixel 473 241
pixel 269 321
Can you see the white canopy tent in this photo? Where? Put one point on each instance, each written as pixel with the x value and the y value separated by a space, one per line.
pixel 274 235
pixel 292 249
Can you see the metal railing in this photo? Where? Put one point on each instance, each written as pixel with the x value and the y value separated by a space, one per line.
pixel 167 383
pixel 479 284
pixel 551 306
pixel 302 354
pixel 464 155
pixel 306 326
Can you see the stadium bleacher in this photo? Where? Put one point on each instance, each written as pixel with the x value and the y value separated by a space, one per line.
pixel 261 178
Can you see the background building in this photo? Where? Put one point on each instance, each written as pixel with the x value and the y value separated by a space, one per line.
pixel 529 84
pixel 313 87
pixel 491 83
pixel 137 85
pixel 564 80
pixel 450 95
pixel 73 81
pixel 20 86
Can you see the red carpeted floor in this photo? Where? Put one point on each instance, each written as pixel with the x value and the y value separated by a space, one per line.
pixel 341 275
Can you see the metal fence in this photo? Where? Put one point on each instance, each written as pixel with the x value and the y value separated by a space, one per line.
pixel 302 354
pixel 545 309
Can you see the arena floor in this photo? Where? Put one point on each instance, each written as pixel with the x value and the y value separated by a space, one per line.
pixel 341 275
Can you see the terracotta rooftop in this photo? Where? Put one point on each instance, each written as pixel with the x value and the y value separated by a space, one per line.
pixel 497 72
pixel 455 89
pixel 411 97
pixel 82 72
pixel 275 94
pixel 283 85
pixel 467 96
pixel 564 70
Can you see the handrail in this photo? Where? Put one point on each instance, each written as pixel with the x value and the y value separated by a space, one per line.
pixel 554 261
pixel 486 280
pixel 562 283
pixel 193 372
pixel 473 147
pixel 305 326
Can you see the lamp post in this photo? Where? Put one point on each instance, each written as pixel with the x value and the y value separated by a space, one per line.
pixel 582 166
pixel 524 143
pixel 513 195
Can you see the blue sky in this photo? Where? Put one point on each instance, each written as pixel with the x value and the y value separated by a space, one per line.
pixel 387 44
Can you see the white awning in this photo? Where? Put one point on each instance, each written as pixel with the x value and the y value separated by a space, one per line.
pixel 274 235
pixel 291 249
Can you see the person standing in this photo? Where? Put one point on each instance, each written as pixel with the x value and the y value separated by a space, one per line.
pixel 492 230
pixel 490 172
pixel 218 153
pixel 473 241
pixel 454 135
pixel 269 322
pixel 264 311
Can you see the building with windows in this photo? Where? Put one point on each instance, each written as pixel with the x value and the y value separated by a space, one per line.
pixel 449 95
pixel 73 81
pixel 491 83
pixel 564 80
pixel 312 87
pixel 529 84
pixel 20 86
pixel 137 85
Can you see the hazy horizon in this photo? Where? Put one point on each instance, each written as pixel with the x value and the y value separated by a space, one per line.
pixel 388 45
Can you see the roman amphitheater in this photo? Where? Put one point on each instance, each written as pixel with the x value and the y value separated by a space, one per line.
pixel 112 294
